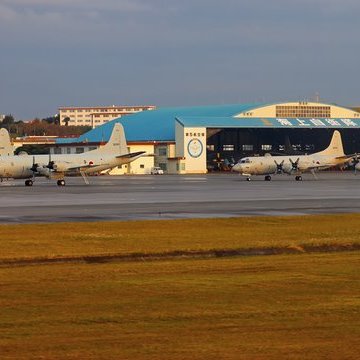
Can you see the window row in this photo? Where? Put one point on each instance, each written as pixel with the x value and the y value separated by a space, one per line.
pixel 264 147
pixel 195 134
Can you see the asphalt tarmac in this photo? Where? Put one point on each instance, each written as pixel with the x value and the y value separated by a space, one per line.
pixel 112 198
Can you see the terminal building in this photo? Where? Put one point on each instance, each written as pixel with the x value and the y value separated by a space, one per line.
pixel 97 115
pixel 196 140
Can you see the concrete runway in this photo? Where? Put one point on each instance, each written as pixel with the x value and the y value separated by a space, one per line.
pixel 172 197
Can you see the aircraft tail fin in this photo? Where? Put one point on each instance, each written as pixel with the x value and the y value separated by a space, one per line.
pixel 117 142
pixel 335 147
pixel 5 144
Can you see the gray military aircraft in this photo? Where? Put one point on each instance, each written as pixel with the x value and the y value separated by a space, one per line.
pixel 267 165
pixel 113 153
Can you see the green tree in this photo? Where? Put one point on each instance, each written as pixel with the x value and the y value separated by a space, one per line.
pixel 66 121
pixel 8 120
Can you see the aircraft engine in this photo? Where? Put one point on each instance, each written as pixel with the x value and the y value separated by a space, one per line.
pixel 58 166
pixel 287 168
pixel 43 170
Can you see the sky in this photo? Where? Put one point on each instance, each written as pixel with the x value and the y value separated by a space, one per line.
pixel 175 53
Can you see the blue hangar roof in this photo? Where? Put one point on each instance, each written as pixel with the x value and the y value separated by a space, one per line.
pixel 159 125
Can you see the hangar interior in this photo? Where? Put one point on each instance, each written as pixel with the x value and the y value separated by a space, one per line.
pixel 208 138
pixel 227 146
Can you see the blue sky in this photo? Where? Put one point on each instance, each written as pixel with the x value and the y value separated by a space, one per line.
pixel 175 53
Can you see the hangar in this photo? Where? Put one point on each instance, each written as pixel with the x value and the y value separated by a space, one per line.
pixel 208 138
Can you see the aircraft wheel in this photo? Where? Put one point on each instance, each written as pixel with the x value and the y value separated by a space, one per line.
pixel 61 182
pixel 248 179
pixel 298 178
pixel 267 178
pixel 28 182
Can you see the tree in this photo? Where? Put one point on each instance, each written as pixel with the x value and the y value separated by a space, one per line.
pixel 52 119
pixel 57 119
pixel 66 121
pixel 8 120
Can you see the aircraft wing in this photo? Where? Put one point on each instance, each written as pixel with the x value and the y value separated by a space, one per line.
pixel 130 155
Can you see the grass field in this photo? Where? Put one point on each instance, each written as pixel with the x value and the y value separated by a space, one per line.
pixel 298 306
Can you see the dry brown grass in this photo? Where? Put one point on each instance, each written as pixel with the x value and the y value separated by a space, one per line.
pixel 278 307
pixel 303 306
pixel 68 239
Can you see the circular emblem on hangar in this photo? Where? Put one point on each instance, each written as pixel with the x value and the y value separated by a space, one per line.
pixel 195 148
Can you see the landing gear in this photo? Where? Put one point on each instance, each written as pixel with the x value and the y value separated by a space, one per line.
pixel 28 182
pixel 61 182
pixel 248 179
pixel 267 178
pixel 298 178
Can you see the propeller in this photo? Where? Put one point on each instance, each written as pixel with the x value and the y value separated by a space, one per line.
pixel 279 167
pixel 294 164
pixel 34 167
pixel 355 161
pixel 51 165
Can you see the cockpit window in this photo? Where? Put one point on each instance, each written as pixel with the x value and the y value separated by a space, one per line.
pixel 245 161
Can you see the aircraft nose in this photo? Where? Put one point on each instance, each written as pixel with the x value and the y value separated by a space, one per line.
pixel 237 167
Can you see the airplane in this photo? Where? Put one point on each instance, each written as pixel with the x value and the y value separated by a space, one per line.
pixel 267 165
pixel 113 153
pixel 5 144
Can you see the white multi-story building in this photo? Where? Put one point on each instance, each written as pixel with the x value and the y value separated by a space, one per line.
pixel 97 115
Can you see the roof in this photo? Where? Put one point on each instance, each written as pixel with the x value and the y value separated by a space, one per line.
pixel 159 125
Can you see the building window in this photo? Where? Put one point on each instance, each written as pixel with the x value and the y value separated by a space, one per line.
pixel 57 151
pixel 303 111
pixel 247 147
pixel 68 150
pixel 142 166
pixel 162 151
pixel 79 150
pixel 210 147
pixel 266 147
pixel 228 147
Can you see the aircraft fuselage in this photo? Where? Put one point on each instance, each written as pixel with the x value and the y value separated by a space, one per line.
pixel 267 165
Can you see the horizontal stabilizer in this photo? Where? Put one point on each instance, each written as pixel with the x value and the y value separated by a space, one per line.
pixel 85 167
pixel 350 156
pixel 131 155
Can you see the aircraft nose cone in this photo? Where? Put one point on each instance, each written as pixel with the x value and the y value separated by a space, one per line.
pixel 237 167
